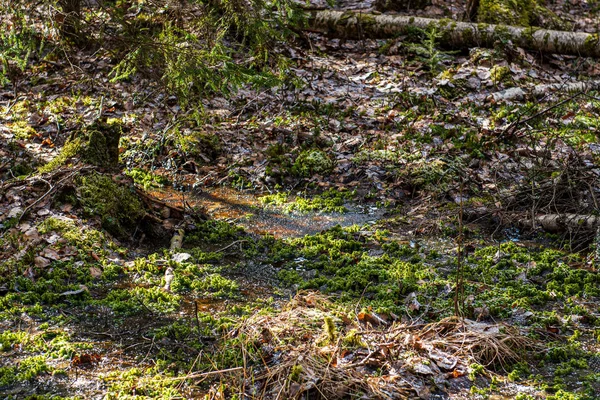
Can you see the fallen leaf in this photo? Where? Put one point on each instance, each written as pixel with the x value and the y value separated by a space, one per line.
pixel 41 262
pixel 95 272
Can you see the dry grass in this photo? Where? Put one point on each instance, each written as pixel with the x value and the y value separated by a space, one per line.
pixel 298 356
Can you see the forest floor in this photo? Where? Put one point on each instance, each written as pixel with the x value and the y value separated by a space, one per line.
pixel 390 225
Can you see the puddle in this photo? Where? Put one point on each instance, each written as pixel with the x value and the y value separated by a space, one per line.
pixel 245 209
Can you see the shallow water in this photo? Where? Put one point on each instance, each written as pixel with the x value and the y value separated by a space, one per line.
pixel 245 209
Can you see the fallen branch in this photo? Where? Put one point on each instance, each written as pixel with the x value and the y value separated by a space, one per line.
pixel 564 222
pixel 353 25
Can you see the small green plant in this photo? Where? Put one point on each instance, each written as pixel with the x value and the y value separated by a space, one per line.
pixel 427 51
pixel 18 42
pixel 475 370
pixel 329 330
pixel 295 373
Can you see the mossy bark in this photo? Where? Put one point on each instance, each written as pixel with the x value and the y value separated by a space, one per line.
pixel 99 144
pixel 455 34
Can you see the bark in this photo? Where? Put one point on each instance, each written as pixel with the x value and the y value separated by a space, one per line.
pixel 565 222
pixel 400 5
pixel 568 87
pixel 455 34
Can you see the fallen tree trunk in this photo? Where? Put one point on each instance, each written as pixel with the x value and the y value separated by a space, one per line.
pixel 564 222
pixel 456 34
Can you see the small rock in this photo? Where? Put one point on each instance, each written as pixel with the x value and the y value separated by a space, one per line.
pixel 15 212
pixel 32 234
pixel 181 257
pixel 169 276
pixel 473 83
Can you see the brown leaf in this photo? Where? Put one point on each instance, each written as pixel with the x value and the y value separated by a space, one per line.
pixel 266 335
pixel 50 253
pixel 41 262
pixel 367 318
pixel 95 272
pixel 456 374
pixel 85 360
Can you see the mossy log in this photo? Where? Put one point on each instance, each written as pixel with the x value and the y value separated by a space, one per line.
pixel 455 34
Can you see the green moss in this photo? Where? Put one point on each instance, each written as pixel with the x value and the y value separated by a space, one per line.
pixel 329 201
pixel 69 150
pixel 500 74
pixel 295 373
pixel 140 300
pixel 311 162
pixel 22 130
pixel 8 339
pixel 144 383
pixel 117 205
pixel 199 145
pixel 511 274
pixel 205 280
pixel 146 179
pixel 591 43
pixel 352 339
pixel 508 12
pixel 329 331
pixel 101 144
pixel 26 370
pixel 565 395
pixel 213 231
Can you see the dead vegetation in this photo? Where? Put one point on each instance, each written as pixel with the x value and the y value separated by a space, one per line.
pixel 314 349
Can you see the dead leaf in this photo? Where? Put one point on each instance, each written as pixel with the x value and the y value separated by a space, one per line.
pixel 41 262
pixel 95 272
pixel 85 360
pixel 370 318
pixel 50 253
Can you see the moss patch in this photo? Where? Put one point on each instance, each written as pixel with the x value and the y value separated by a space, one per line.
pixel 117 205
pixel 311 162
pixel 508 12
pixel 329 201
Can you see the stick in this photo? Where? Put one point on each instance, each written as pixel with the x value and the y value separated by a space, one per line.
pixel 228 246
pixel 200 375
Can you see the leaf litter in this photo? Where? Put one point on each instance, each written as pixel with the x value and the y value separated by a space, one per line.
pixel 388 121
